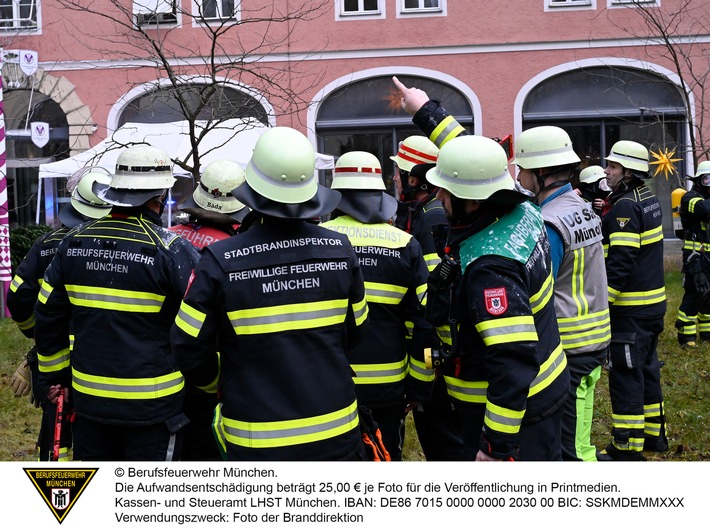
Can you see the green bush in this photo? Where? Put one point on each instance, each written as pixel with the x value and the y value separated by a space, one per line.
pixel 21 240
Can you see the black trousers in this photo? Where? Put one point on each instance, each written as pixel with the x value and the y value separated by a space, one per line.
pixel 638 417
pixel 439 426
pixel 161 442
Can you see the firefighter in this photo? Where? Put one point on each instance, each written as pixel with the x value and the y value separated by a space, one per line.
pixel 546 161
pixel 504 366
pixel 420 214
pixel 633 241
pixel 83 206
pixel 693 318
pixel 282 302
pixel 119 281
pixel 593 188
pixel 387 379
pixel 214 213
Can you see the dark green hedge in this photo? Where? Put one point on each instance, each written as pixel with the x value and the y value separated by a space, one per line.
pixel 21 239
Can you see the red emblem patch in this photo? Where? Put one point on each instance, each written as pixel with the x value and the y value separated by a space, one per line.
pixel 496 300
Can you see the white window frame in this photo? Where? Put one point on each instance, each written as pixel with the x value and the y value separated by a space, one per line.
pixel 16 19
pixel 340 14
pixel 231 19
pixel 157 7
pixel 403 12
pixel 550 5
pixel 632 3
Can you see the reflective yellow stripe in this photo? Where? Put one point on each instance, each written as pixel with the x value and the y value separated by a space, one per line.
pixel 55 362
pixel 267 434
pixel 386 294
pixel 467 391
pixel 650 297
pixel 380 373
pixel 578 295
pixel 632 421
pixel 431 260
pixel 421 294
pixel 503 419
pixel 444 334
pixel 584 330
pixel 419 371
pixel 651 236
pixel 44 292
pixel 118 388
pixel 360 311
pixel 410 329
pixel 625 239
pixel 507 330
pixel 692 203
pixel 447 129
pixel 549 371
pixel 16 283
pixel 27 324
pixel 542 297
pixel 114 299
pixel 190 320
pixel 292 317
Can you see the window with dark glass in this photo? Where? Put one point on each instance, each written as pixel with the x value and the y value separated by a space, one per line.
pixel 18 14
pixel 354 7
pixel 598 106
pixel 366 115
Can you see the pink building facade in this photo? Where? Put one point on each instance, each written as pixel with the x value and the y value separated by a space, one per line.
pixel 593 67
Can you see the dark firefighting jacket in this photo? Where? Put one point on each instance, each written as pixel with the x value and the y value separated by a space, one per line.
pixel 24 289
pixel 694 212
pixel 509 350
pixel 633 246
pixel 282 302
pixel 418 220
pixel 386 366
pixel 120 281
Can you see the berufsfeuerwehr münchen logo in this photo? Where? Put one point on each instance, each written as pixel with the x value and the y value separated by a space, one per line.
pixel 60 488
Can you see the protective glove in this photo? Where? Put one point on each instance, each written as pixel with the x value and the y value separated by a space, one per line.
pixel 21 382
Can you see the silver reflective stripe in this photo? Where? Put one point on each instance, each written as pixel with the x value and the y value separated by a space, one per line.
pixel 503 420
pixel 377 371
pixel 508 329
pixel 627 356
pixel 129 387
pixel 192 322
pixel 559 359
pixel 360 313
pixel 115 299
pixel 294 432
pixel 300 315
pixel 446 132
pixel 382 293
pixel 169 456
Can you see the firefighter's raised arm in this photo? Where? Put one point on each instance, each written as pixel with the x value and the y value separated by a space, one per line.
pixel 412 98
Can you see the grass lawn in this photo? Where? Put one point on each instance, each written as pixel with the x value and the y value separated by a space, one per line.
pixel 685 380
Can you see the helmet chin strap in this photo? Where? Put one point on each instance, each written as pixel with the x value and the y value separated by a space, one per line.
pixel 555 184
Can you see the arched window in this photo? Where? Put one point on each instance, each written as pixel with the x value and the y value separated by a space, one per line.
pixel 600 105
pixel 160 106
pixel 366 115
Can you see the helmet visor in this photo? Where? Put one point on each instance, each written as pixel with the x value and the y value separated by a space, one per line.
pixel 603 185
pixel 704 180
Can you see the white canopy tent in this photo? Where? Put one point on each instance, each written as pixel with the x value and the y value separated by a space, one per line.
pixel 231 139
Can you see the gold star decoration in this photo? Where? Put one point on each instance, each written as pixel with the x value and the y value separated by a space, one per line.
pixel 664 160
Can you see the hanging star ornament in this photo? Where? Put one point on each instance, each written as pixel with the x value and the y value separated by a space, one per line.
pixel 664 160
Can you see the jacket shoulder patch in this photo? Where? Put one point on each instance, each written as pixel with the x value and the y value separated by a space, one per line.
pixel 496 300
